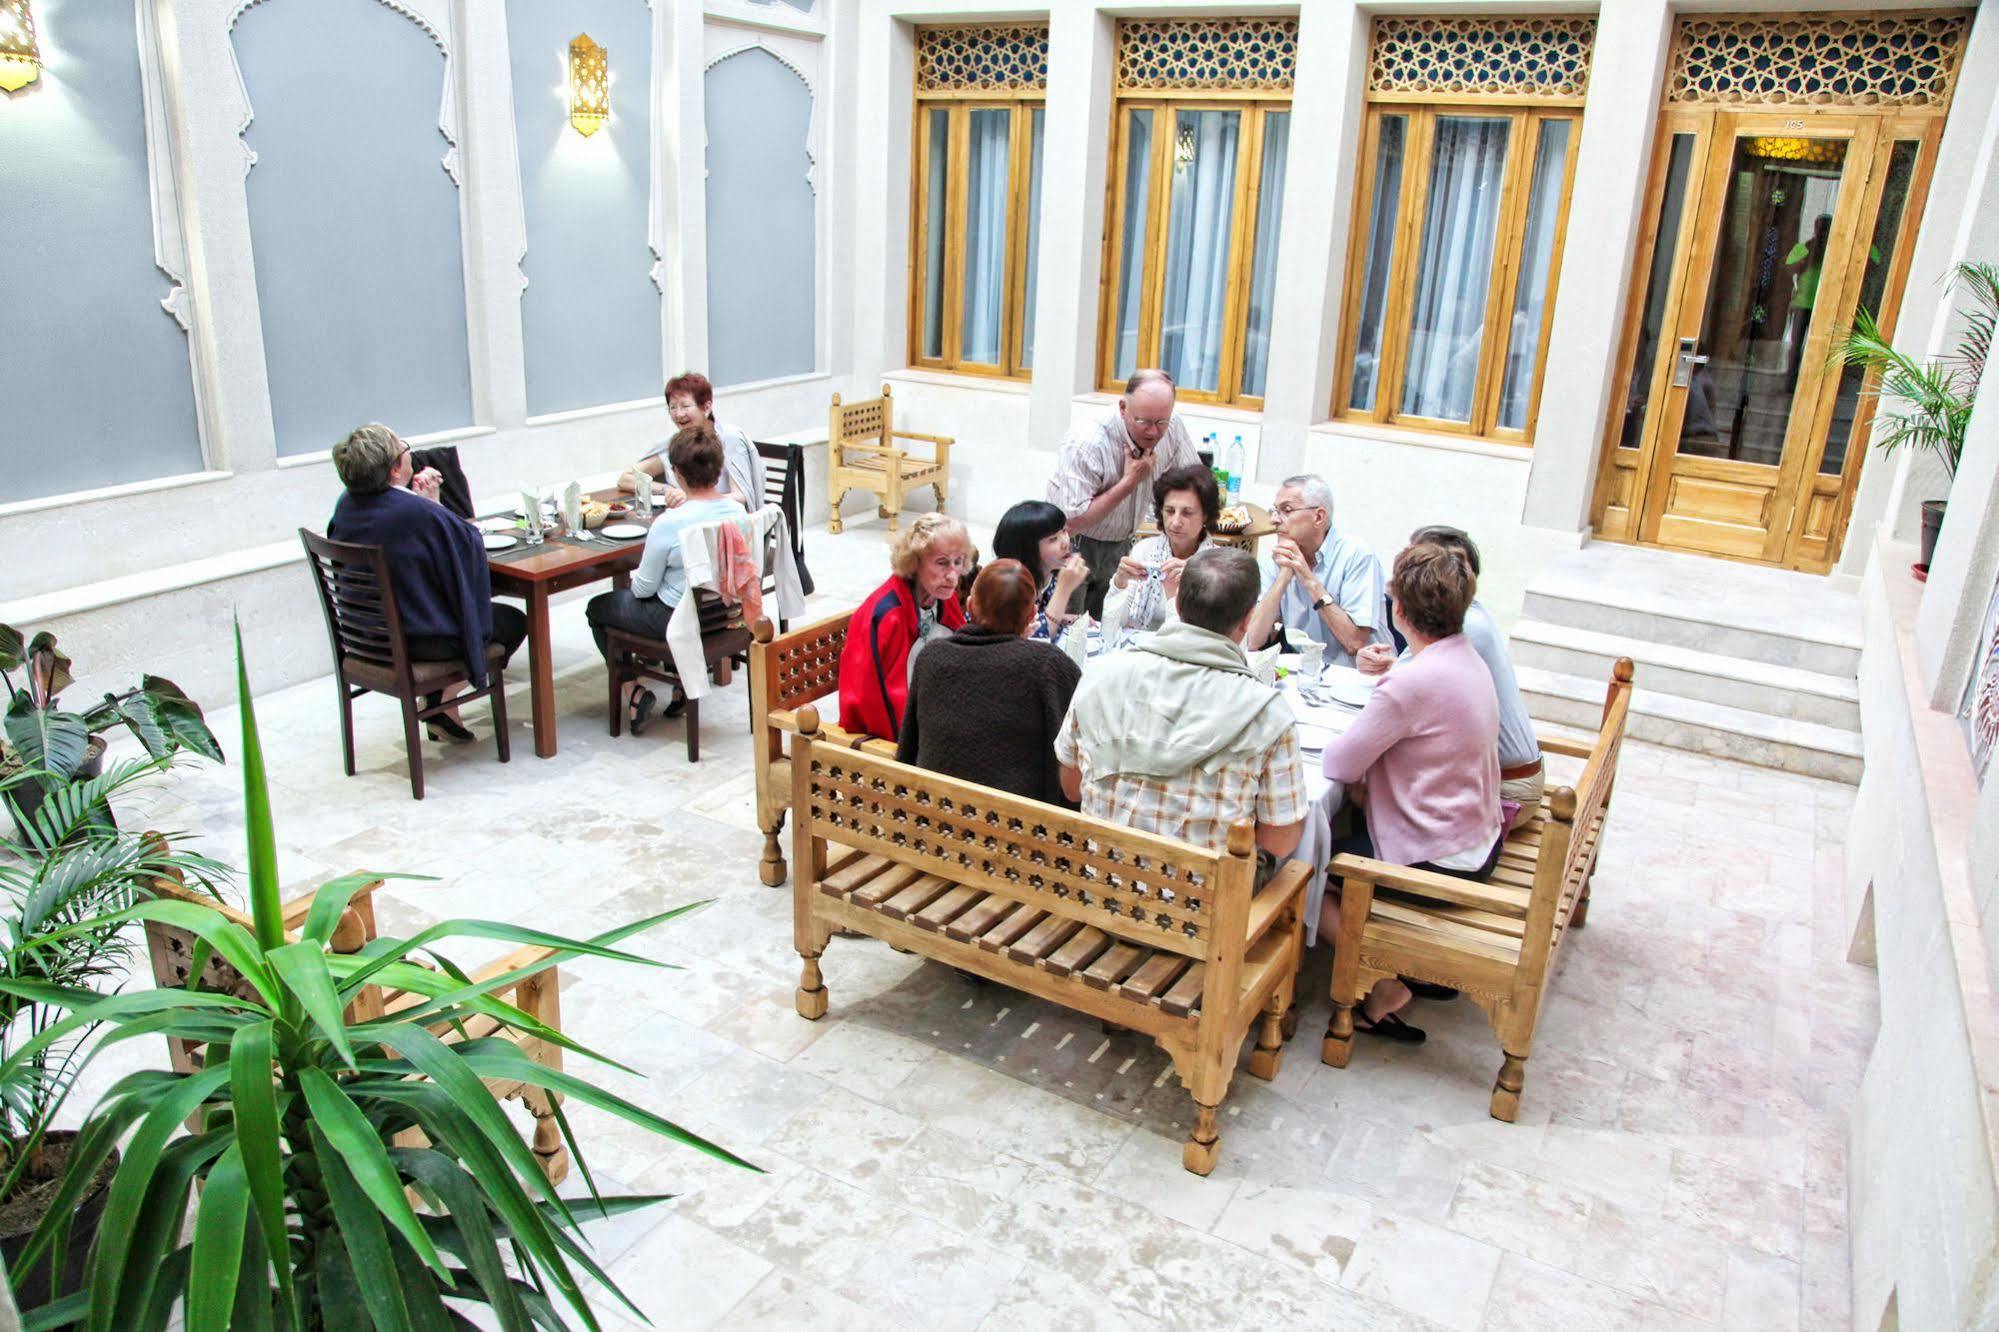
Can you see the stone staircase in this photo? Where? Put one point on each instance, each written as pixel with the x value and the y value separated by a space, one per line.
pixel 1733 660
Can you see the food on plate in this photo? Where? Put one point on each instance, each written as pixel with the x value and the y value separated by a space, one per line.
pixel 1233 519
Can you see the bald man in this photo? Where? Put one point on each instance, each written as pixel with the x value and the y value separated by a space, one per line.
pixel 1103 478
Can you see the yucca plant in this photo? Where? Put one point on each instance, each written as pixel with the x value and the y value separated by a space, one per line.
pixel 299 1196
pixel 1932 400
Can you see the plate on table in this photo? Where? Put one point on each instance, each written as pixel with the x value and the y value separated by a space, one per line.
pixel 1313 739
pixel 1352 690
pixel 624 531
pixel 503 522
pixel 500 541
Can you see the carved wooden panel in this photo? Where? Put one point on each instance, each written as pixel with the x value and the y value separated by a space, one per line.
pixel 806 665
pixel 1476 56
pixel 1817 60
pixel 1245 55
pixel 987 58
pixel 1042 856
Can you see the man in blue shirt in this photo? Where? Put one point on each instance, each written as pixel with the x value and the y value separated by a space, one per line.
pixel 1317 582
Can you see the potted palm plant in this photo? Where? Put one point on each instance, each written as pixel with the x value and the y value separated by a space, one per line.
pixel 53 746
pixel 1932 399
pixel 303 1216
pixel 57 933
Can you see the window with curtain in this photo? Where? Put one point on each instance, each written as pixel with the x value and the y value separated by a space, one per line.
pixel 977 173
pixel 1458 222
pixel 1197 188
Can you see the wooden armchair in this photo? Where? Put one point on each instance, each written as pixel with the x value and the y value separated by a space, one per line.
pixel 172 952
pixel 862 455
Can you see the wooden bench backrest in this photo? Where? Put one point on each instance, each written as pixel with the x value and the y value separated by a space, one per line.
pixel 789 670
pixel 1574 823
pixel 868 424
pixel 1149 890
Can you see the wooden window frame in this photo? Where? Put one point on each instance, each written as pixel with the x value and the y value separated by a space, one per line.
pixel 1516 189
pixel 1254 106
pixel 1020 145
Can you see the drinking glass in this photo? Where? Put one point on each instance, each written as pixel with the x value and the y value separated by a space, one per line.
pixel 1311 656
pixel 531 522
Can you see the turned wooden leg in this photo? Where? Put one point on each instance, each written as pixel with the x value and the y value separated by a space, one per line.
pixel 1338 1046
pixel 833 524
pixel 1580 916
pixel 937 489
pixel 771 869
pixel 1290 1022
pixel 1506 1090
pixel 811 1000
pixel 1268 1056
pixel 549 1149
pixel 1204 1144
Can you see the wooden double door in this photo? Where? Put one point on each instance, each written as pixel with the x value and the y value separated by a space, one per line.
pixel 1735 432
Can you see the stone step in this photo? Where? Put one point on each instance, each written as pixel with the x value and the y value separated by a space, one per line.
pixel 1737 682
pixel 1683 627
pixel 1693 724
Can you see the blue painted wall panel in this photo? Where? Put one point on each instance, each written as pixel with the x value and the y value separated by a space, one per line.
pixel 762 308
pixel 98 386
pixel 353 221
pixel 590 315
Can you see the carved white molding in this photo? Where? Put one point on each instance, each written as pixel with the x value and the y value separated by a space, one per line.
pixel 163 179
pixel 772 44
pixel 778 15
pixel 447 111
pixel 662 53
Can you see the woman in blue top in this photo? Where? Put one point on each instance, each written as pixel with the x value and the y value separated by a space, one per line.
pixel 1036 533
pixel 660 581
pixel 437 563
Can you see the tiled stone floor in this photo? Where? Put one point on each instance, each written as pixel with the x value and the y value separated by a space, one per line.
pixel 944 1155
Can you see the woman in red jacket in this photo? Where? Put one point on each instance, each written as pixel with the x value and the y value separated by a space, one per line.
pixel 919 601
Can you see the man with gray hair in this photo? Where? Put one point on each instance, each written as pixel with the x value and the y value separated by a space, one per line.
pixel 1103 478
pixel 1175 736
pixel 1318 583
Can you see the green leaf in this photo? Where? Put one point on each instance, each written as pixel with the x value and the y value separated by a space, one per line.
pixel 217 1260
pixel 254 1098
pixel 342 1303
pixel 182 716
pixel 367 1243
pixel 162 1221
pixel 465 1208
pixel 360 1147
pixel 49 742
pixel 265 906
pixel 48 669
pixel 330 899
pixel 61 1313
pixel 302 967
pixel 13 650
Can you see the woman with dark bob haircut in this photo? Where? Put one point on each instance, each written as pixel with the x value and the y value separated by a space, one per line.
pixel 1036 533
pixel 1427 748
pixel 985 703
pixel 1188 504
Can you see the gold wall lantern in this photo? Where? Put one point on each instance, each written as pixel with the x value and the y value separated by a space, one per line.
pixel 589 84
pixel 20 57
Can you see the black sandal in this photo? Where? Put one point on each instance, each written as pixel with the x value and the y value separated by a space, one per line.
pixel 642 705
pixel 1388 1026
pixel 444 728
pixel 1428 990
pixel 677 704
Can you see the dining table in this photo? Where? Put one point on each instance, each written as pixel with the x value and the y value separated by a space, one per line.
pixel 564 560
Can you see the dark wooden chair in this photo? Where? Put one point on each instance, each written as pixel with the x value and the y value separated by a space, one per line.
pixel 784 486
pixel 724 637
pixel 370 654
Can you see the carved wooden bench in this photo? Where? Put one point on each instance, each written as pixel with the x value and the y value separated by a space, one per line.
pixel 1142 932
pixel 172 951
pixel 1496 941
pixel 788 671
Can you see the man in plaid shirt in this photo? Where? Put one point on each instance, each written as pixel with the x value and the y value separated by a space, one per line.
pixel 1175 736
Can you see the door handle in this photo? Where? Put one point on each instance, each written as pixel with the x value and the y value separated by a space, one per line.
pixel 1683 365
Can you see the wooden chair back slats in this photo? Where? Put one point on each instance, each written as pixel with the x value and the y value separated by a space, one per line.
pixel 864 453
pixel 1146 889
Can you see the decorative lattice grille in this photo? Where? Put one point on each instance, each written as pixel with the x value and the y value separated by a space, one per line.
pixel 1543 57
pixel 1821 60
pixel 982 59
pixel 1242 55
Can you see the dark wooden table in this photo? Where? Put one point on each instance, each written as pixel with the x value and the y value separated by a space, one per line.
pixel 536 573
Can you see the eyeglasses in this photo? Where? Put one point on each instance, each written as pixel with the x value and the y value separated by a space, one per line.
pixel 1143 424
pixel 1286 510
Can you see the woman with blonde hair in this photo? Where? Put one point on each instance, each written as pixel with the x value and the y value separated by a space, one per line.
pixel 919 601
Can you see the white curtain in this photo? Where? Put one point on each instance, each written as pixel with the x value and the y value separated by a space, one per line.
pixel 1033 236
pixel 1530 295
pixel 1381 221
pixel 1263 262
pixel 1137 196
pixel 1199 217
pixel 988 159
pixel 1454 267
pixel 936 193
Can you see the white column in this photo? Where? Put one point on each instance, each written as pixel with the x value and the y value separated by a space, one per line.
pixel 842 178
pixel 1073 164
pixel 1966 561
pixel 1613 163
pixel 884 101
pixel 495 225
pixel 683 159
pixel 1326 116
pixel 209 107
pixel 1960 221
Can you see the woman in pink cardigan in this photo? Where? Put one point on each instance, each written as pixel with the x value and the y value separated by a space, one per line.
pixel 1421 762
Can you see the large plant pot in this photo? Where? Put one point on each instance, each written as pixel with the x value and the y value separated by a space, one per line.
pixel 20 1214
pixel 1932 524
pixel 25 799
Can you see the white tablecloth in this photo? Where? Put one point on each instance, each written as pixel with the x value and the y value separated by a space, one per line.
pixel 1317 722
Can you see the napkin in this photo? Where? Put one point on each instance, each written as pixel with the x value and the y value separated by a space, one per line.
pixel 1077 641
pixel 572 507
pixel 1263 664
pixel 531 506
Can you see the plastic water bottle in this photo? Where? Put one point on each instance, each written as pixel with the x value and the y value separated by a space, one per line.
pixel 1236 465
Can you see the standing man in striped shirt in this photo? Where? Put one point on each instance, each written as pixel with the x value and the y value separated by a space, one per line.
pixel 1103 478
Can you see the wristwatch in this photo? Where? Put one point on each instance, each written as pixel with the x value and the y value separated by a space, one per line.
pixel 1325 600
